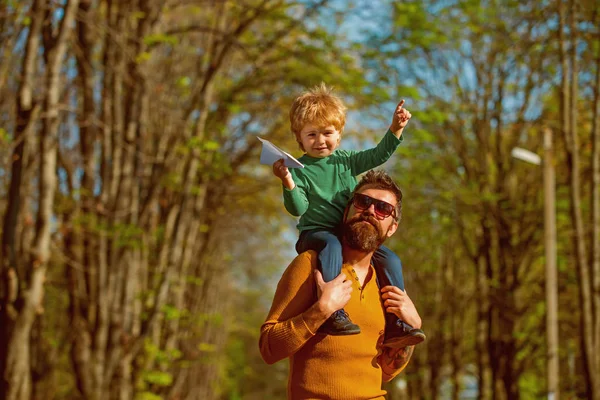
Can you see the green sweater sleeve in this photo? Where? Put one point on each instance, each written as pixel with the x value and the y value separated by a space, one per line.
pixel 295 200
pixel 362 161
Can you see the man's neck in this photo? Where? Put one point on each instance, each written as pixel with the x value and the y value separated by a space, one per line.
pixel 356 258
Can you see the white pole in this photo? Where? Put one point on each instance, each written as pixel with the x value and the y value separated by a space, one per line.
pixel 551 280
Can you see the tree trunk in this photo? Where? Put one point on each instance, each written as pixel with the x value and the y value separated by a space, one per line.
pixel 595 199
pixel 17 374
pixel 569 97
pixel 10 271
pixel 84 283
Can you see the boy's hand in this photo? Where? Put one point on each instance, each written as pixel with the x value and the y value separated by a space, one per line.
pixel 283 173
pixel 400 119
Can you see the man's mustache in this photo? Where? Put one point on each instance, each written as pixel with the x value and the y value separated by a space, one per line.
pixel 366 218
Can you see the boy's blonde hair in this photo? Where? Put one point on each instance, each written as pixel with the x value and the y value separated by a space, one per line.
pixel 317 106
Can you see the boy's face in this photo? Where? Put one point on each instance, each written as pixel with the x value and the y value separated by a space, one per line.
pixel 319 142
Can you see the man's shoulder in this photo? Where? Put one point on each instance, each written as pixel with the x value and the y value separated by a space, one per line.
pixel 301 268
pixel 308 259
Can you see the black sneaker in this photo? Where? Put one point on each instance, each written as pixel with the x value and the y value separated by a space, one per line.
pixel 339 324
pixel 401 334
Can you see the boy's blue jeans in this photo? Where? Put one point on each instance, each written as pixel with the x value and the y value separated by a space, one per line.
pixel 387 264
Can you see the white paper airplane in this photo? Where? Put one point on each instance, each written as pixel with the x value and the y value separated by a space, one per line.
pixel 271 153
pixel 526 155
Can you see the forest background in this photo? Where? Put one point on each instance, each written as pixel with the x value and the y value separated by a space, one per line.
pixel 142 240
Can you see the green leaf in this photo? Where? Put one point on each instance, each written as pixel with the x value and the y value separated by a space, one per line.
pixel 160 38
pixel 172 312
pixel 204 228
pixel 211 145
pixel 158 378
pixel 147 396
pixel 183 82
pixel 142 57
pixel 4 137
pixel 207 347
pixel 138 15
pixel 194 280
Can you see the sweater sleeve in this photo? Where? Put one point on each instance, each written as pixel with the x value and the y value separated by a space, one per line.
pixel 295 200
pixel 362 161
pixel 294 317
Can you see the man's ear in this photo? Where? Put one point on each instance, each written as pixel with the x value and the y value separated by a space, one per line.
pixel 392 228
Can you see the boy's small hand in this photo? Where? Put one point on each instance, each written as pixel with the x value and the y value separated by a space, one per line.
pixel 400 119
pixel 283 173
pixel 280 170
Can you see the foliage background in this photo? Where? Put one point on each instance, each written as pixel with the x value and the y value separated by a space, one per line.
pixel 142 241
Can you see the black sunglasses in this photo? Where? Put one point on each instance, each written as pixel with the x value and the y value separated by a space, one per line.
pixel 382 208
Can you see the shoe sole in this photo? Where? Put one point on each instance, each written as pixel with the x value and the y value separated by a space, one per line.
pixel 403 341
pixel 341 333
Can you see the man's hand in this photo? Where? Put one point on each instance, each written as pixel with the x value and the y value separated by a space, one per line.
pixel 333 295
pixel 400 119
pixel 397 301
pixel 283 173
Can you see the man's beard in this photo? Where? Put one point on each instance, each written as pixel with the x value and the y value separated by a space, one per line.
pixel 362 236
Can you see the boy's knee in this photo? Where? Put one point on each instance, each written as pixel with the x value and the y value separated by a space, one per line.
pixel 334 244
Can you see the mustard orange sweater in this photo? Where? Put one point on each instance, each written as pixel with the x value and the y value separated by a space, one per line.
pixel 323 366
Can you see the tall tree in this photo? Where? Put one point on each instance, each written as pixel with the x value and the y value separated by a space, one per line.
pixel 141 173
pixel 477 94
pixel 23 287
pixel 572 16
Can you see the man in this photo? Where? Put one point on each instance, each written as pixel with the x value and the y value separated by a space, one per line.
pixel 342 367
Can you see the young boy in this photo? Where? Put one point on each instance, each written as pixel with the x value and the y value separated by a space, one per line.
pixel 319 192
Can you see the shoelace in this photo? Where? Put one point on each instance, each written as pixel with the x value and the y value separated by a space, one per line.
pixel 404 326
pixel 341 314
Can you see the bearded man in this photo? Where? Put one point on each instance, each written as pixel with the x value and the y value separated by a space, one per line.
pixel 342 367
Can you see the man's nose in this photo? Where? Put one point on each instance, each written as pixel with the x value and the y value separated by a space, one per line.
pixel 370 210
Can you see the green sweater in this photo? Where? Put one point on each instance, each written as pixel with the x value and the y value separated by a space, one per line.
pixel 324 185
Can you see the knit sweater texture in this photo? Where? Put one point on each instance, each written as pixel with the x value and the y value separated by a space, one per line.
pixel 324 185
pixel 324 366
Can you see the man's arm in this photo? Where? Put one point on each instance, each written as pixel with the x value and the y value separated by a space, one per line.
pixel 393 361
pixel 395 300
pixel 300 307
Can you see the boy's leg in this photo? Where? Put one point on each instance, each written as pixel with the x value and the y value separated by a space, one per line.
pixel 388 267
pixel 328 246
pixel 389 272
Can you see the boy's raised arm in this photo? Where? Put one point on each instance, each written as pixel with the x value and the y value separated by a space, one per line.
pixel 362 161
pixel 400 119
